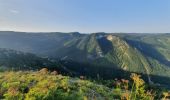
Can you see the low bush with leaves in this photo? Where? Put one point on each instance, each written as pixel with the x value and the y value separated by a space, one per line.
pixel 45 85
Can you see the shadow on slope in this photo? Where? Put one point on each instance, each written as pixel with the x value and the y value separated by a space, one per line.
pixel 107 73
pixel 149 51
pixel 105 45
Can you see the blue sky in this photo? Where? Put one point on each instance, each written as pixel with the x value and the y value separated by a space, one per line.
pixel 85 15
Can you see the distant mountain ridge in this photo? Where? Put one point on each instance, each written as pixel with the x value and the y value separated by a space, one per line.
pixel 101 54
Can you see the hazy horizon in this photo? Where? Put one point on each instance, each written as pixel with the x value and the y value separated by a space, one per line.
pixel 87 32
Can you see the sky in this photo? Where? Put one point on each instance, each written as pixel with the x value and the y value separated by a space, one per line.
pixel 86 16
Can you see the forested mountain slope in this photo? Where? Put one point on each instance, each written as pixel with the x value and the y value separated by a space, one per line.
pixel 16 60
pixel 103 55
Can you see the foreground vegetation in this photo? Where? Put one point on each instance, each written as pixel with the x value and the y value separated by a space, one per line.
pixel 46 85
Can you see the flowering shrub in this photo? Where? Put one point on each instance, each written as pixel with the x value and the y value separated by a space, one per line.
pixel 46 85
